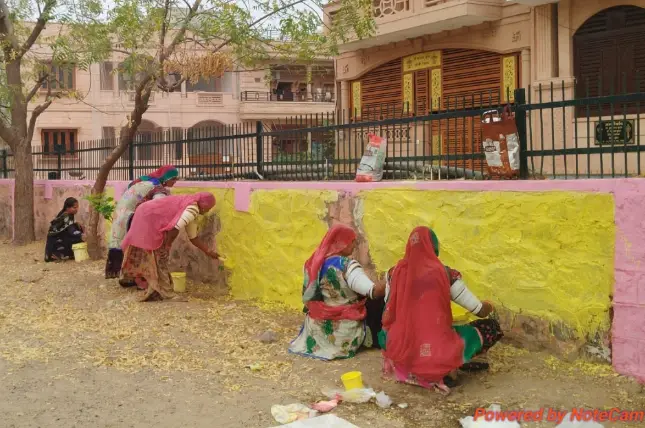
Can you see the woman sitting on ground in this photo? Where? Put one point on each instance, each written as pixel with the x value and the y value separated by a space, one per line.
pixel 63 233
pixel 145 188
pixel 154 228
pixel 421 346
pixel 334 292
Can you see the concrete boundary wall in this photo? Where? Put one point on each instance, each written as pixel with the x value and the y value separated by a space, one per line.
pixel 562 260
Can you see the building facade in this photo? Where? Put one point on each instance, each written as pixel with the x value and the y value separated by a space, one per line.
pixel 236 101
pixel 436 55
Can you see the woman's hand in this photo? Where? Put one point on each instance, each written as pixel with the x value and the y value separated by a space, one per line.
pixel 213 254
pixel 486 310
pixel 379 290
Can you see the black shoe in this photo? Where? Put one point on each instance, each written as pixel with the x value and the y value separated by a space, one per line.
pixel 449 382
pixel 126 283
pixel 474 367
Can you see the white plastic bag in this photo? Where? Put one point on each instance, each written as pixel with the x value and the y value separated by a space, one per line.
pixel 373 160
pixel 291 413
pixel 355 396
pixel 383 401
pixel 470 422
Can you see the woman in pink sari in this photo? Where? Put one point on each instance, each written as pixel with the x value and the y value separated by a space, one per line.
pixel 421 345
pixel 154 228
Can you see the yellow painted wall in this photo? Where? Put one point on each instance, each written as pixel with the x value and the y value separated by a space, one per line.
pixel 266 248
pixel 548 254
pixel 545 254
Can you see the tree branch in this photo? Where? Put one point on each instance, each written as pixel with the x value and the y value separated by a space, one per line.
pixel 260 19
pixel 38 28
pixel 7 135
pixel 165 53
pixel 164 86
pixel 38 111
pixel 164 26
pixel 6 29
pixel 36 88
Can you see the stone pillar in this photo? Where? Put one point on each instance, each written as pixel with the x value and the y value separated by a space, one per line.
pixel 115 81
pixel 525 59
pixel 543 43
pixel 344 100
pixel 343 140
pixel 309 85
pixel 565 40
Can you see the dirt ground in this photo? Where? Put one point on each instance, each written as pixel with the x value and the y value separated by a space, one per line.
pixel 77 350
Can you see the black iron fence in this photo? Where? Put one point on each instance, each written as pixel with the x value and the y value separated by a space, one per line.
pixel 562 135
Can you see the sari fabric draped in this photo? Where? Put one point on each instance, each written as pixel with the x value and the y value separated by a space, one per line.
pixel 62 234
pixel 153 218
pixel 418 317
pixel 338 238
pixel 160 176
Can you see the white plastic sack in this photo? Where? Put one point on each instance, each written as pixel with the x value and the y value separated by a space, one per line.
pixel 355 396
pixel 373 160
pixel 383 401
pixel 291 413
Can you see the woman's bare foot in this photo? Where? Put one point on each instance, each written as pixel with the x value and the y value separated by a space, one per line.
pixel 151 296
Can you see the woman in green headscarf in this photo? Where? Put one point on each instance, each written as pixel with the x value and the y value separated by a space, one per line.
pixel 421 346
pixel 147 187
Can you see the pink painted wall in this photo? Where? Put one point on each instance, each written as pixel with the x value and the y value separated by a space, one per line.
pixel 628 328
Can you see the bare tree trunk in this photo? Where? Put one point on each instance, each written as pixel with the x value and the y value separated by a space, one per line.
pixel 93 239
pixel 125 139
pixel 24 223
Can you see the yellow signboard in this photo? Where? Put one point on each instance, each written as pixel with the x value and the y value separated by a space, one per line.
pixel 421 61
pixel 356 99
pixel 509 78
pixel 435 87
pixel 408 93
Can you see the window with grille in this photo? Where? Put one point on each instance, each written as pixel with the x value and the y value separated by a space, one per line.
pixel 107 78
pixel 609 57
pixel 213 84
pixel 61 77
pixel 55 141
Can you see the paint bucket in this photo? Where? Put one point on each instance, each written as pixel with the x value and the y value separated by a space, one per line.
pixel 352 380
pixel 80 252
pixel 179 281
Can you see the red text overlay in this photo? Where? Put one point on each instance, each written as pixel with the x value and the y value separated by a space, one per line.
pixel 558 416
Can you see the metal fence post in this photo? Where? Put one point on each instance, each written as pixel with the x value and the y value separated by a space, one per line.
pixel 520 122
pixel 131 158
pixel 259 147
pixel 59 148
pixel 5 173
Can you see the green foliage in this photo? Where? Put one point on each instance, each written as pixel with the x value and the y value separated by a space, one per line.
pixel 102 204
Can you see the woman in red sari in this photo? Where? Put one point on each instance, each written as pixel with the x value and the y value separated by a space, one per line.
pixel 421 345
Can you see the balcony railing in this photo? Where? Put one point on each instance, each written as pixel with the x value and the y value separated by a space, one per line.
pixel 314 97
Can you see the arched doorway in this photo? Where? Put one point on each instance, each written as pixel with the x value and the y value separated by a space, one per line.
pixel 209 148
pixel 149 142
pixel 609 56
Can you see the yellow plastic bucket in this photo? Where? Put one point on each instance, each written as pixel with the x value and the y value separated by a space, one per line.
pixel 352 380
pixel 179 281
pixel 80 252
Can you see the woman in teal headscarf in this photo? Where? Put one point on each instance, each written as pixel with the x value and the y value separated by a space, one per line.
pixel 147 187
